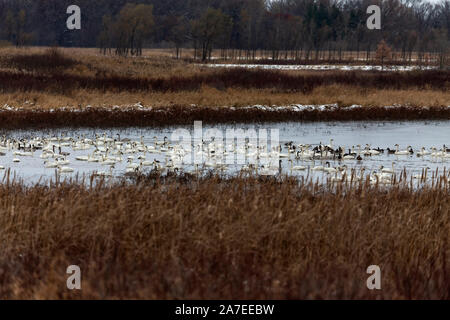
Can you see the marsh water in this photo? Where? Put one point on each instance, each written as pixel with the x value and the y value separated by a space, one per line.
pixel 322 67
pixel 377 134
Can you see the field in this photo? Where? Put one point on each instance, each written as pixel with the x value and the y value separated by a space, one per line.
pixel 43 79
pixel 223 238
pixel 170 233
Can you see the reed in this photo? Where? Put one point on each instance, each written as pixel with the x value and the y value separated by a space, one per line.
pixel 223 238
pixel 55 78
pixel 221 79
pixel 50 60
pixel 186 115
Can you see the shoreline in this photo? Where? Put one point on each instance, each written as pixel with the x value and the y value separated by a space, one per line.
pixel 140 116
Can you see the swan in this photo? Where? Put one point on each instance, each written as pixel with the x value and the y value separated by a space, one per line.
pixel 388 170
pixel 423 152
pixel 337 178
pixel 160 143
pixel 351 155
pixel 304 153
pixel 92 158
pixel 105 173
pixel 318 168
pixel 132 164
pixel 267 171
pixel 65 169
pixel 63 162
pixel 108 161
pixel 48 164
pixel 23 154
pixel 376 178
pixel 330 169
pixel 365 152
pixel 82 158
pixel 296 168
pixel 372 151
pixel 283 155
pixel 402 152
pixel 47 154
pixel 435 153
pixel 147 163
pixel 247 168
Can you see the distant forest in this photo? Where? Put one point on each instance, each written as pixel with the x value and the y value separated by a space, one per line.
pixel 304 27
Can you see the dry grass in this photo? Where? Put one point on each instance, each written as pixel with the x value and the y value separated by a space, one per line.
pixel 186 115
pixel 222 79
pixel 158 80
pixel 49 61
pixel 214 238
pixel 208 96
pixel 89 62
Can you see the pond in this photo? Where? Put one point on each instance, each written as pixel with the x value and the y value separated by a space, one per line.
pixel 322 67
pixel 39 155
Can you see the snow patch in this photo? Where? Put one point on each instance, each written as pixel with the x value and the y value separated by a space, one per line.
pixel 321 67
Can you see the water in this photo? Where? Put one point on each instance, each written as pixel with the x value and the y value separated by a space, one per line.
pixel 416 134
pixel 322 67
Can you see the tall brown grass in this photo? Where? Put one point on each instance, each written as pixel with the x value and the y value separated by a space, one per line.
pixel 51 60
pixel 222 79
pixel 83 77
pixel 345 95
pixel 222 238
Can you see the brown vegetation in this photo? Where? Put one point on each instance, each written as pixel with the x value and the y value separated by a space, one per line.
pixel 212 97
pixel 183 115
pixel 223 79
pixel 81 77
pixel 217 238
pixel 49 61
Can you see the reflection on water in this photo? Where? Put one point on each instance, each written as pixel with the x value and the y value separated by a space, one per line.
pixel 118 151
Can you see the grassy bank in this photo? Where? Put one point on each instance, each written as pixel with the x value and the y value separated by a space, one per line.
pixel 186 115
pixel 51 79
pixel 239 238
pixel 224 79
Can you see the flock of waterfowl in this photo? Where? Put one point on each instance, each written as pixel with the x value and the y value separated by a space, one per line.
pixel 339 163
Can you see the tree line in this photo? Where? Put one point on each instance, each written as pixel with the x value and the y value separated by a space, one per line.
pixel 239 28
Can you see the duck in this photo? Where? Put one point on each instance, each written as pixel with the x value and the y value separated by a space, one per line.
pixel 390 151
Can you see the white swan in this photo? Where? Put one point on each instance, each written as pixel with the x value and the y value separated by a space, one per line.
pixel 423 152
pixel 65 169
pixel 402 152
pixel 297 168
pixel 330 169
pixel 318 168
pixel 388 170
